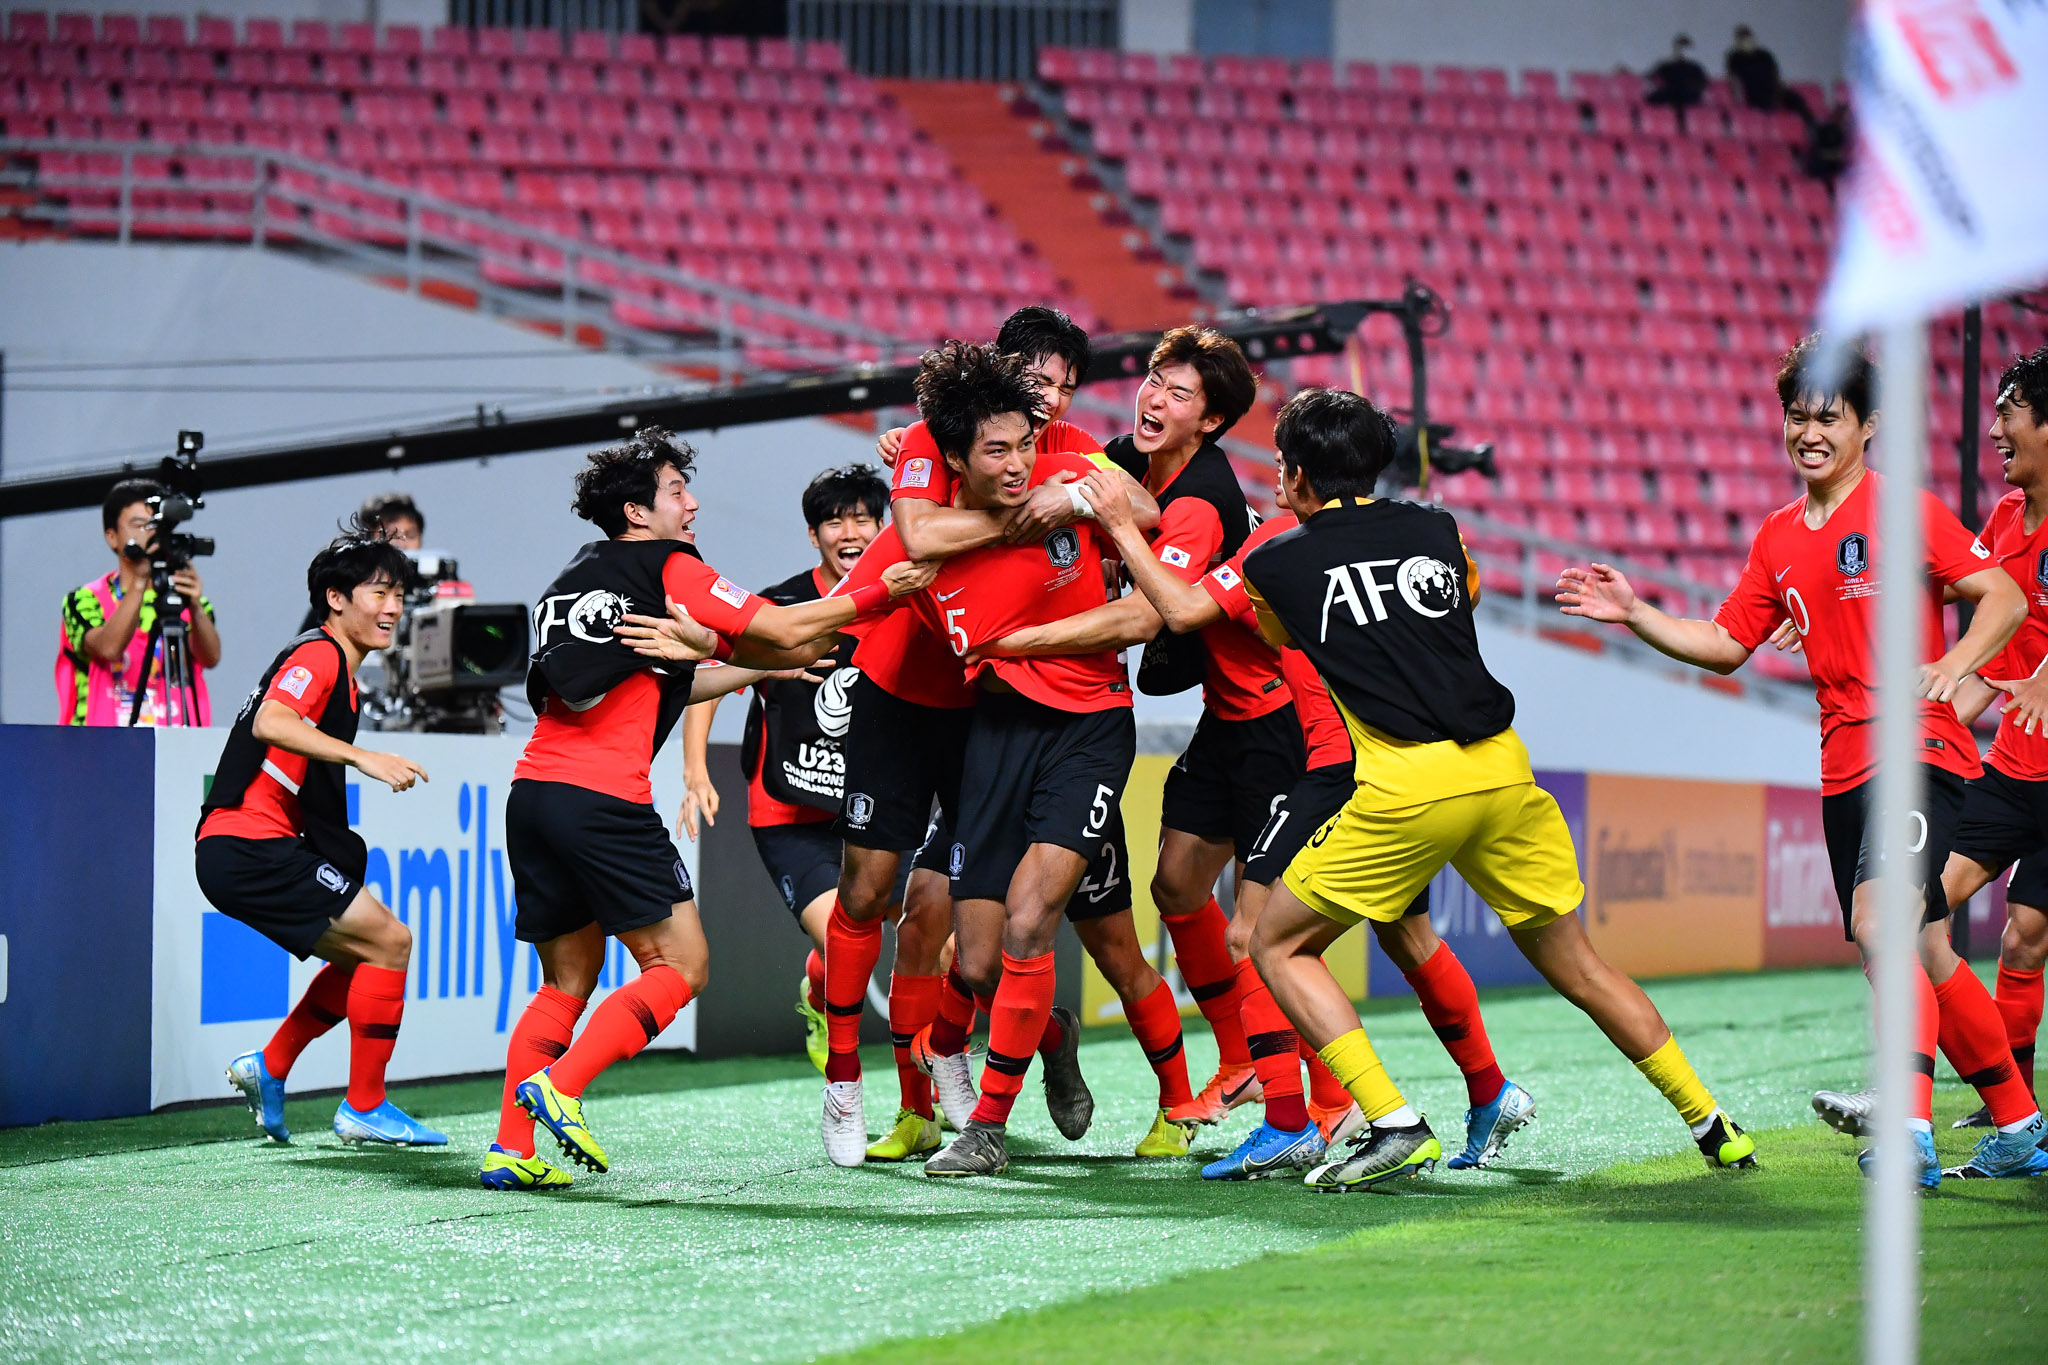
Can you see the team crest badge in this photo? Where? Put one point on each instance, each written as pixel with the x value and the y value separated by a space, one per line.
pixel 1852 556
pixel 331 878
pixel 956 860
pixel 1063 547
pixel 682 879
pixel 860 808
pixel 2041 569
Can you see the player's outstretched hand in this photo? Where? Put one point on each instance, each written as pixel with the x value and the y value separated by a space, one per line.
pixel 1786 639
pixel 1598 593
pixel 913 575
pixel 2027 696
pixel 889 445
pixel 1111 498
pixel 1051 505
pixel 394 772
pixel 700 798
pixel 679 637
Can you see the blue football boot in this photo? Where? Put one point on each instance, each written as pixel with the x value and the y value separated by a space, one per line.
pixel 2007 1156
pixel 386 1123
pixel 1488 1127
pixel 263 1091
pixel 1929 1165
pixel 1269 1151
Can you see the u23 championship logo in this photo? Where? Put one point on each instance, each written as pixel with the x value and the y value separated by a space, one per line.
pixel 1852 555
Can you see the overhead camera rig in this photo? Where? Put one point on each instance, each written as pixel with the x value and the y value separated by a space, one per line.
pixel 1266 335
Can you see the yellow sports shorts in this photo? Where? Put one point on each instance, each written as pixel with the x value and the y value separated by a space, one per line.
pixel 1510 844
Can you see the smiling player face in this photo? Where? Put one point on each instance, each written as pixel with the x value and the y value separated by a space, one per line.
pixel 997 472
pixel 2021 437
pixel 840 538
pixel 674 511
pixel 1825 437
pixel 367 616
pixel 1056 385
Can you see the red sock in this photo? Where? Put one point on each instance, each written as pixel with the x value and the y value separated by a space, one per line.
pixel 1053 1037
pixel 538 1040
pixel 814 980
pixel 630 1018
pixel 1156 1022
pixel 1451 1005
pixel 325 1004
pixel 376 1002
pixel 1022 1004
pixel 1325 1091
pixel 851 951
pixel 913 1003
pixel 956 1015
pixel 1973 1039
pixel 2019 1001
pixel 1276 1053
pixel 1202 955
pixel 1926 1035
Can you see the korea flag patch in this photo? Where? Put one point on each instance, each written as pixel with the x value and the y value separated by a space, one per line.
pixel 296 680
pixel 917 473
pixel 729 592
pixel 1226 577
pixel 1174 557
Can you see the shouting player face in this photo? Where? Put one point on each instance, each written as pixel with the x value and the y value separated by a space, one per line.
pixel 997 471
pixel 1825 437
pixel 1056 384
pixel 2021 437
pixel 1172 410
pixel 840 538
pixel 674 510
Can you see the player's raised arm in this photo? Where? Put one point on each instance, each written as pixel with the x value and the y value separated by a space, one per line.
pixel 1182 605
pixel 1600 592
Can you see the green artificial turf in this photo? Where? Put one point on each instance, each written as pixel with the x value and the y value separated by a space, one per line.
pixel 722 1233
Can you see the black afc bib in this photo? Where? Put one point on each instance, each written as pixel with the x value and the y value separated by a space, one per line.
pixel 796 730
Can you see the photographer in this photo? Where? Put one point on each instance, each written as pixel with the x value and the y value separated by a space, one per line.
pixel 107 627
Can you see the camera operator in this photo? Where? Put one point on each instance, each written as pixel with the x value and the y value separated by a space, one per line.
pixel 107 627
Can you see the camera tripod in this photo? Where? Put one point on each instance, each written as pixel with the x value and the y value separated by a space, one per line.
pixel 170 631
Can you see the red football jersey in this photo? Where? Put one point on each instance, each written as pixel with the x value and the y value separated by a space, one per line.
pixel 1824 581
pixel 608 746
pixel 921 472
pixel 1328 741
pixel 898 654
pixel 2015 753
pixel 270 805
pixel 1241 680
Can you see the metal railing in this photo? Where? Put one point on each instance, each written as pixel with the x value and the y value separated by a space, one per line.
pixel 973 40
pixel 266 198
pixel 609 16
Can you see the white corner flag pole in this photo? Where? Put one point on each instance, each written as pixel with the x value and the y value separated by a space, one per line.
pixel 1891 1261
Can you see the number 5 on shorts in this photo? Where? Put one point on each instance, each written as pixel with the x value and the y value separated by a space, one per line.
pixel 1098 812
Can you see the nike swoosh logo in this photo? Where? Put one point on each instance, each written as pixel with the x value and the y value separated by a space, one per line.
pixel 1781 574
pixel 949 596
pixel 1232 1097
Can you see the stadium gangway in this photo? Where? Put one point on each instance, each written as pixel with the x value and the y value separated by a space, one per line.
pixel 297 201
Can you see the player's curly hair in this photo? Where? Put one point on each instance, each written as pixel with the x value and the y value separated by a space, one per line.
pixel 960 386
pixel 628 472
pixel 2027 377
pixel 359 555
pixel 1036 331
pixel 1799 372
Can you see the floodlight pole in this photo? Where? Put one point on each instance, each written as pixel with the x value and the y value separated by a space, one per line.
pixel 1891 1269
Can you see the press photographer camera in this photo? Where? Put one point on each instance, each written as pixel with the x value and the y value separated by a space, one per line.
pixel 449 657
pixel 137 641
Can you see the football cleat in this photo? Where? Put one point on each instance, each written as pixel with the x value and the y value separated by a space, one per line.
pixel 1067 1097
pixel 561 1115
pixel 1489 1126
pixel 2007 1156
pixel 1166 1137
pixel 505 1171
pixel 952 1077
pixel 1337 1123
pixel 1269 1151
pixel 1854 1114
pixel 816 1044
pixel 387 1123
pixel 1726 1147
pixel 979 1150
pixel 1929 1167
pixel 1374 1156
pixel 1981 1118
pixel 263 1091
pixel 913 1135
pixel 1226 1090
pixel 845 1123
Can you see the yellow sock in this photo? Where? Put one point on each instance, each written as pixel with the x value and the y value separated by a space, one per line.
pixel 1667 1069
pixel 1357 1068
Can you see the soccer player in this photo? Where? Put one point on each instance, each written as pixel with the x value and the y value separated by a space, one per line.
pixel 1294 1133
pixel 1378 595
pixel 903 752
pixel 794 732
pixel 591 858
pixel 275 850
pixel 1813 562
pixel 2005 812
pixel 1048 751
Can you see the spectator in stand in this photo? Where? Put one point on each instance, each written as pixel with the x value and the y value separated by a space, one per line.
pixel 1827 148
pixel 1753 70
pixel 1678 82
pixel 106 636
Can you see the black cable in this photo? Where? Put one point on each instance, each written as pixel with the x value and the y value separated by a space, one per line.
pixel 307 388
pixel 259 362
